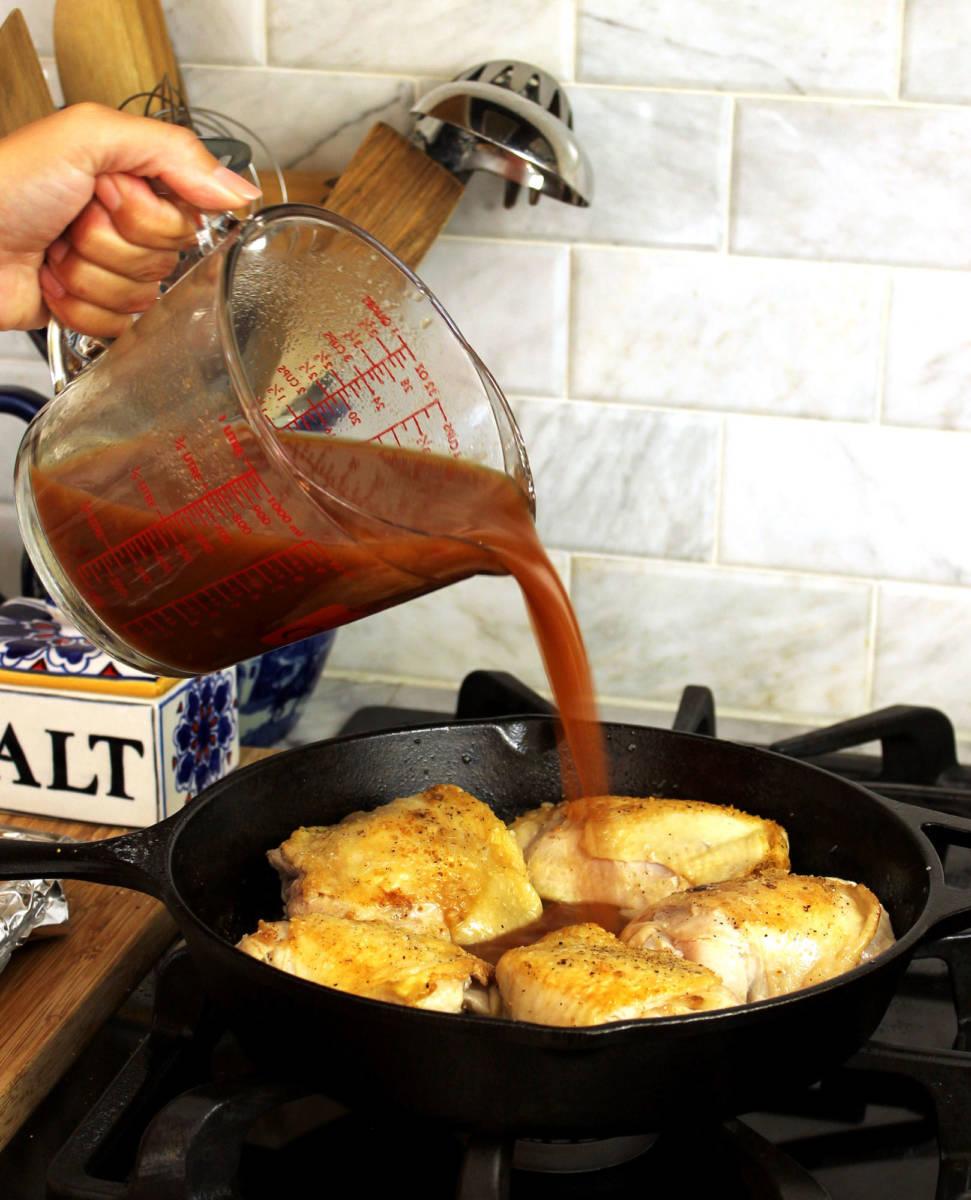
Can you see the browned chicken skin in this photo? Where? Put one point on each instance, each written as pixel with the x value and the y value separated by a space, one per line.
pixel 440 862
pixel 770 934
pixel 582 975
pixel 370 958
pixel 633 851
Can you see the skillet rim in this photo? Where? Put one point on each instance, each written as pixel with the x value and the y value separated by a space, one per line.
pixel 576 1035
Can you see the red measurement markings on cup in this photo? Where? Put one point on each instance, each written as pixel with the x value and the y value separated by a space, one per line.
pixel 291 566
pixel 418 431
pixel 196 522
pixel 342 400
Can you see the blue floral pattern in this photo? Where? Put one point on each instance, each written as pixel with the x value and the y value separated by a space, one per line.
pixel 204 733
pixel 31 632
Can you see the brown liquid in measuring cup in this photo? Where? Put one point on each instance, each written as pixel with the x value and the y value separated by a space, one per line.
pixel 272 556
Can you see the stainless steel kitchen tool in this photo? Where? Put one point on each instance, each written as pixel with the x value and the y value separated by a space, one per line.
pixel 512 119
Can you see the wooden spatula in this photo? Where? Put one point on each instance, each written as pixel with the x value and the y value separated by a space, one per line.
pixel 24 95
pixel 111 50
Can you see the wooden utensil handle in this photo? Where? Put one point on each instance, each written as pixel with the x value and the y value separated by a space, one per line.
pixel 397 193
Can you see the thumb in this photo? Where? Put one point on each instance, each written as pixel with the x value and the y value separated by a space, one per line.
pixel 106 141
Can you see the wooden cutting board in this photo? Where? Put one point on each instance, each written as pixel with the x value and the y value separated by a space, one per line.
pixel 57 991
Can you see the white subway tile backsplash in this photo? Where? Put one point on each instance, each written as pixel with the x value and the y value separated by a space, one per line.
pixel 30 372
pixel 658 165
pixel 762 642
pixel 14 344
pixel 937 42
pixel 480 622
pixel 857 501
pixel 11 431
pixel 921 649
pixel 842 181
pixel 435 37
pixel 929 351
pixel 523 340
pixel 761 46
pixel 622 480
pixel 706 331
pixel 308 119
pixel 227 31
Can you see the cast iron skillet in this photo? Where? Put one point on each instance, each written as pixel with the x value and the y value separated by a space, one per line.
pixel 207 864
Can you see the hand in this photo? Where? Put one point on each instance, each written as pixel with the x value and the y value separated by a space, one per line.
pixel 83 237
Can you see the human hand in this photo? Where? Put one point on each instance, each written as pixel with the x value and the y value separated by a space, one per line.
pixel 83 237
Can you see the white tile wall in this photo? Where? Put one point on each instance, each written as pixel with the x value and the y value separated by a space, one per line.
pixel 936 47
pixel 706 331
pixel 421 37
pixel 851 500
pixel 828 46
pixel 762 641
pixel 721 367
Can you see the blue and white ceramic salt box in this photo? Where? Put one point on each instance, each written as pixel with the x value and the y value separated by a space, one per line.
pixel 85 737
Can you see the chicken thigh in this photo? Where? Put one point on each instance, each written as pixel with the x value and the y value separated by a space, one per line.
pixel 373 959
pixel 440 862
pixel 582 975
pixel 631 851
pixel 770 934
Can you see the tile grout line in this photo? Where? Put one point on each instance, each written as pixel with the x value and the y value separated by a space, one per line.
pixel 818 98
pixel 716 542
pixel 265 5
pixel 776 572
pixel 901 48
pixel 575 7
pixel 883 351
pixel 673 249
pixel 729 180
pixel 567 381
pixel 870 667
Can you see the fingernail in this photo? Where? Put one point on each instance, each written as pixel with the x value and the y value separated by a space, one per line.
pixel 57 251
pixel 108 193
pixel 50 283
pixel 224 178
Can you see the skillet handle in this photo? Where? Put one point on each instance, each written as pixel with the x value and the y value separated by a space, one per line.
pixel 946 903
pixel 138 861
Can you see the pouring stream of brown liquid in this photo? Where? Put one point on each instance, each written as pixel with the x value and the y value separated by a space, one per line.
pixel 333 537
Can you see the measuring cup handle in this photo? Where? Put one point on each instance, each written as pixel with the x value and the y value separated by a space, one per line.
pixel 68 352
pixel 24 403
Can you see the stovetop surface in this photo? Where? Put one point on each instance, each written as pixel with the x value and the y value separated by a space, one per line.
pixel 164 1106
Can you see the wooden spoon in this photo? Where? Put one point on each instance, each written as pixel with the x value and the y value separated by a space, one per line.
pixel 24 95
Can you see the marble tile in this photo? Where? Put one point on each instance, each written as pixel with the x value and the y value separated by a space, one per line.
pixel 480 622
pixel 922 635
pixel 436 37
pixel 620 480
pixel 335 699
pixel 706 331
pixel 22 372
pixel 761 46
pixel 511 302
pixel 764 642
pixel 853 182
pixel 658 167
pixel 937 42
pixel 874 501
pixel 308 120
pixel 929 351
pixel 231 31
pixel 16 345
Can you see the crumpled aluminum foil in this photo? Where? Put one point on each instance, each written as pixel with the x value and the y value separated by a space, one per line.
pixel 29 904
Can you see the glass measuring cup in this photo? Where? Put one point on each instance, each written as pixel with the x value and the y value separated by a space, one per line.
pixel 271 450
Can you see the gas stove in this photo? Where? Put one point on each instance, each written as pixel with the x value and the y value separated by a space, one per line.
pixel 163 1105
